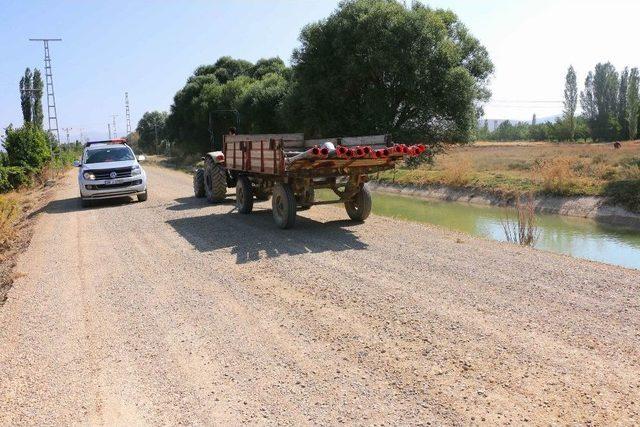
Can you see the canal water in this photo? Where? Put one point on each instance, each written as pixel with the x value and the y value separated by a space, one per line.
pixel 578 237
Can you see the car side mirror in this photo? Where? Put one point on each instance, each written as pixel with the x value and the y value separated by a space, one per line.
pixel 141 158
pixel 77 163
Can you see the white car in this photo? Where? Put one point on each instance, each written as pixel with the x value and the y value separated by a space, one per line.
pixel 110 169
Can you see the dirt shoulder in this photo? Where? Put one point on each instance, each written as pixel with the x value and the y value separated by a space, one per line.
pixel 30 203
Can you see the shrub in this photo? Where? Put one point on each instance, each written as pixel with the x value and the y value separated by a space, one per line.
pixel 625 193
pixel 13 177
pixel 27 147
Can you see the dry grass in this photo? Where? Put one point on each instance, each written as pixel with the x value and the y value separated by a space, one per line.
pixel 9 215
pixel 457 172
pixel 522 229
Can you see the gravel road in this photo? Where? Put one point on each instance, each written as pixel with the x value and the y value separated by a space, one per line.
pixel 175 311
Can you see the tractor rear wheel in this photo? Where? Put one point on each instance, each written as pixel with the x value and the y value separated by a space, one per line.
pixel 215 181
pixel 244 195
pixel 359 207
pixel 284 203
pixel 198 182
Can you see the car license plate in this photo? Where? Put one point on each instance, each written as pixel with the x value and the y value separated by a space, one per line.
pixel 110 181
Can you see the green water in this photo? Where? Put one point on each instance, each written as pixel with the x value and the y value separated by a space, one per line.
pixel 577 237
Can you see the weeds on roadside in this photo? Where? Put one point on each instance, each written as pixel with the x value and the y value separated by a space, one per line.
pixel 522 229
pixel 9 210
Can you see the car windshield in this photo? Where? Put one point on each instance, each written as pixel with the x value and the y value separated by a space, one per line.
pixel 112 154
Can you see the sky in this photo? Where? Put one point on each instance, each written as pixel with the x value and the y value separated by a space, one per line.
pixel 149 48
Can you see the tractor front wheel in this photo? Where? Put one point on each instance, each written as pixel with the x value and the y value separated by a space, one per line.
pixel 215 181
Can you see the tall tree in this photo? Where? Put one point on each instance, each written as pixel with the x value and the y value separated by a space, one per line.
pixel 570 100
pixel 600 102
pixel 37 115
pixel 26 97
pixel 622 104
pixel 633 102
pixel 376 66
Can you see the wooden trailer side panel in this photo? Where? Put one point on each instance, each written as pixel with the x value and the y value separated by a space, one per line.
pixel 253 153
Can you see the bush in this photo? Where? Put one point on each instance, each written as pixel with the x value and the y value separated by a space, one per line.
pixel 13 177
pixel 27 147
pixel 625 193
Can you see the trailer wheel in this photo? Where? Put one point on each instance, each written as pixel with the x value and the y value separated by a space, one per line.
pixel 244 195
pixel 359 207
pixel 198 182
pixel 215 181
pixel 306 199
pixel 284 205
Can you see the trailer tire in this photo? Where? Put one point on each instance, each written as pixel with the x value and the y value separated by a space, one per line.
pixel 284 205
pixel 198 183
pixel 215 181
pixel 359 207
pixel 244 195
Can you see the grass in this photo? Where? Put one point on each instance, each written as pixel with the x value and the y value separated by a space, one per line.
pixel 542 168
pixel 9 215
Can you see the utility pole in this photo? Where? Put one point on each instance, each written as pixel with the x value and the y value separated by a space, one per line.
pixel 113 116
pixel 126 107
pixel 109 126
pixel 52 114
pixel 67 132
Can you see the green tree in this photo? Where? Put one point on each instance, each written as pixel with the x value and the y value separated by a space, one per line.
pixel 599 102
pixel 633 103
pixel 200 112
pixel 26 97
pixel 570 100
pixel 27 147
pixel 375 66
pixel 622 104
pixel 37 115
pixel 151 130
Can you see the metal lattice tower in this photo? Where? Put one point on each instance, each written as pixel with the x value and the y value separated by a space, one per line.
pixel 52 114
pixel 115 134
pixel 126 107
